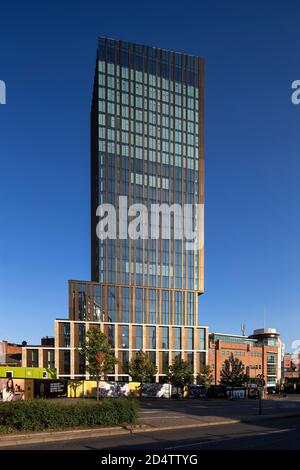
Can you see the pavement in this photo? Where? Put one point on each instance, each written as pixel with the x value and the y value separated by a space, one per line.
pixel 200 419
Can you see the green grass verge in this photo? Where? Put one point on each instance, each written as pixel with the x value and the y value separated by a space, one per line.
pixel 41 415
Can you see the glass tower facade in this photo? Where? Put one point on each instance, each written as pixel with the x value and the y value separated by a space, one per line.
pixel 147 144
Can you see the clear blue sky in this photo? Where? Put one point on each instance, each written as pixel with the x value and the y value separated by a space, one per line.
pixel 252 53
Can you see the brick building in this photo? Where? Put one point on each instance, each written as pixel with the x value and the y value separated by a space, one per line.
pixel 260 353
pixel 11 353
pixel 291 369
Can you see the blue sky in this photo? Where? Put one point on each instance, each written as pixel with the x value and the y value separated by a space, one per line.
pixel 252 232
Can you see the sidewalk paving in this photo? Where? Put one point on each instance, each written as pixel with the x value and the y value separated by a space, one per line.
pixel 34 438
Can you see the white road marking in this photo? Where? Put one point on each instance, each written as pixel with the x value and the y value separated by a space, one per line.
pixel 165 417
pixel 219 439
pixel 151 411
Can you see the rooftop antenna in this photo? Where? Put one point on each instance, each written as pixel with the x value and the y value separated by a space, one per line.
pixel 265 315
pixel 243 329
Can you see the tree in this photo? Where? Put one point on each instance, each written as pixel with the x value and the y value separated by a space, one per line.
pixel 99 355
pixel 205 377
pixel 141 369
pixel 180 374
pixel 233 372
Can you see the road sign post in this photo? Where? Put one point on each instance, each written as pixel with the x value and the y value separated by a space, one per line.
pixel 260 385
pixel 260 402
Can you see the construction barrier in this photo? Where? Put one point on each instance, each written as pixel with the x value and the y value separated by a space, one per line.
pixel 16 389
pixel 88 388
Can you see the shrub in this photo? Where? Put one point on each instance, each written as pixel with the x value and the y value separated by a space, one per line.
pixel 40 415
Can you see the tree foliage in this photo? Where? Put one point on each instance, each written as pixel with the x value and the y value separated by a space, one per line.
pixel 141 369
pixel 180 374
pixel 99 355
pixel 205 377
pixel 233 372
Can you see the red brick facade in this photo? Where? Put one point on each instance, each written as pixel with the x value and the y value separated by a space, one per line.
pixel 253 356
pixel 10 353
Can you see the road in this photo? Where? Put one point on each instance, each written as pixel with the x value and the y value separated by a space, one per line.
pixel 280 434
pixel 262 434
pixel 169 412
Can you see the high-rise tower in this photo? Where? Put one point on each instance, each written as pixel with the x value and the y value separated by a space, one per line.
pixel 147 147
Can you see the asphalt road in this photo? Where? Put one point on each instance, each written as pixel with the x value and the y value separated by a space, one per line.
pixel 279 434
pixel 190 411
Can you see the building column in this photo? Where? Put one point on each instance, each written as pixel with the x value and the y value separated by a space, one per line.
pixel 56 350
pixel 41 357
pixel 24 357
pixel 157 344
pixel 72 350
pixel 130 352
pixel 117 366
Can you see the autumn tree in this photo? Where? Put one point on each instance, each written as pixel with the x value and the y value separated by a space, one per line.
pixel 99 355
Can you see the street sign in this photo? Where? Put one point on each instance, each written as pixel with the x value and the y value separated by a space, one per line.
pixel 261 383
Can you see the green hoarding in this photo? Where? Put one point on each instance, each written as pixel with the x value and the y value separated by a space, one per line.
pixel 27 372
